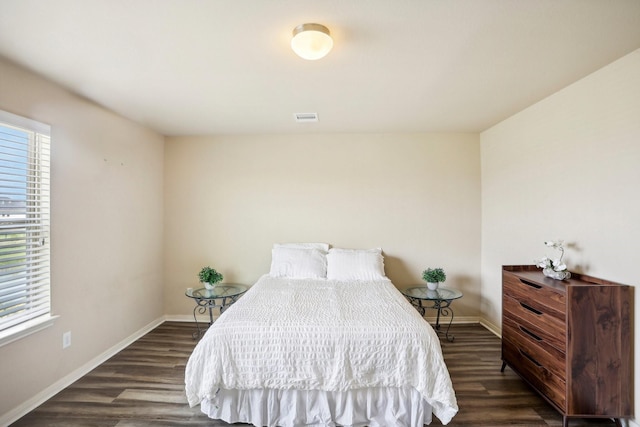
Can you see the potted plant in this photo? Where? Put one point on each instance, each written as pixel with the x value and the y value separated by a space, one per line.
pixel 433 276
pixel 209 277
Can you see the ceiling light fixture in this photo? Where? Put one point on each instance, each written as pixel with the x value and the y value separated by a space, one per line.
pixel 311 41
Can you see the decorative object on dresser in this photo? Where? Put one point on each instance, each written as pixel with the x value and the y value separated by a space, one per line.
pixel 570 340
pixel 554 268
pixel 209 277
pixel 433 277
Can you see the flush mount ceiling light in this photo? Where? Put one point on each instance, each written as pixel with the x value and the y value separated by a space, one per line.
pixel 311 41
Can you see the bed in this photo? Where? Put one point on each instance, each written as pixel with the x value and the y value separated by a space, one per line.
pixel 324 339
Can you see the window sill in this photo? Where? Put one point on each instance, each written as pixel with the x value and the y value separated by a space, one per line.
pixel 25 329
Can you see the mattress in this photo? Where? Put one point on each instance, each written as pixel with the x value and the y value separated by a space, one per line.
pixel 320 335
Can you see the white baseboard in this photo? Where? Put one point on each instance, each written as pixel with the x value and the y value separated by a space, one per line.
pixel 457 320
pixel 179 318
pixel 491 327
pixel 46 394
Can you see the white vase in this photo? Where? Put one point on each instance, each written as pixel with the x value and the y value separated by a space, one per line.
pixel 432 286
pixel 209 285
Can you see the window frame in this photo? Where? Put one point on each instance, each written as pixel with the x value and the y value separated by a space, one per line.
pixel 36 216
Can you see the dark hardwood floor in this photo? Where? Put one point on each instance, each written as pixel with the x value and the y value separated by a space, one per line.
pixel 143 386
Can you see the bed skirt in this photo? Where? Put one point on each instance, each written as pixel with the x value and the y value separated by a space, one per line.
pixel 383 407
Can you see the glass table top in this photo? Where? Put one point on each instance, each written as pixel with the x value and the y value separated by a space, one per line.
pixel 440 294
pixel 221 290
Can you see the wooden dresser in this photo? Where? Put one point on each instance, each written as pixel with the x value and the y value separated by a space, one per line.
pixel 570 340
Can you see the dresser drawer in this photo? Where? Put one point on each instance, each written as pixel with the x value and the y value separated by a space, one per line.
pixel 535 373
pixel 535 314
pixel 540 297
pixel 552 334
pixel 535 346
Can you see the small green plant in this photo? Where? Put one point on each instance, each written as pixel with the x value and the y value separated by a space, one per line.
pixel 209 275
pixel 434 275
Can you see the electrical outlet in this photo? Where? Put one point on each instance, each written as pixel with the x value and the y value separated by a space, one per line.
pixel 66 339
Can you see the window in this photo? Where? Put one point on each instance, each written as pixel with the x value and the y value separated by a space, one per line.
pixel 25 297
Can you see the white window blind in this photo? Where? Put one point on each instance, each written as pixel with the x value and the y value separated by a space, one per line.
pixel 24 221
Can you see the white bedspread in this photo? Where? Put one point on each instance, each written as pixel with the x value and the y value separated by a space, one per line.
pixel 310 334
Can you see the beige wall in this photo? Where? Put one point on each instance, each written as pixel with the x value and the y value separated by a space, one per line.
pixel 229 198
pixel 567 168
pixel 107 175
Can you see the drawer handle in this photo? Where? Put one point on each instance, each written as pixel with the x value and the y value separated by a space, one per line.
pixel 533 285
pixel 528 332
pixel 534 361
pixel 533 310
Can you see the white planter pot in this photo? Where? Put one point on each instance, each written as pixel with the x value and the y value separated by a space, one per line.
pixel 432 286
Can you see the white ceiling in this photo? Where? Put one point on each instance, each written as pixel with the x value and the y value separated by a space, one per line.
pixel 186 67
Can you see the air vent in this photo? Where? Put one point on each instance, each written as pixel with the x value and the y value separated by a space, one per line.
pixel 306 117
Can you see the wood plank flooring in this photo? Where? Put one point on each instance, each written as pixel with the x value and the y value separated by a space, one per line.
pixel 143 386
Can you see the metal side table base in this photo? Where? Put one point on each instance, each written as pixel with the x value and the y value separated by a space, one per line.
pixel 440 300
pixel 221 296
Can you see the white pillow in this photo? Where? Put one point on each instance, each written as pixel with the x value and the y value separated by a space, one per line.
pixel 355 264
pixel 298 263
pixel 321 246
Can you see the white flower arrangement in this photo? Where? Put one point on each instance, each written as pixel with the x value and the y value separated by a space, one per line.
pixel 555 264
pixel 554 267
